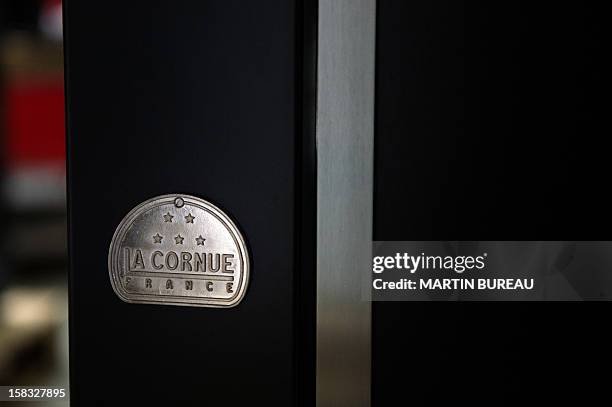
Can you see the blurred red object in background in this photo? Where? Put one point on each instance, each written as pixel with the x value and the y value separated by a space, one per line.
pixel 33 152
pixel 34 123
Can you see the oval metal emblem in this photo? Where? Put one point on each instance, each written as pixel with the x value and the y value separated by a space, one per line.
pixel 180 250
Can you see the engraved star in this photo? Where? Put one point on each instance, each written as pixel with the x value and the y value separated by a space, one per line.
pixel 189 218
pixel 200 240
pixel 168 217
pixel 179 239
pixel 157 238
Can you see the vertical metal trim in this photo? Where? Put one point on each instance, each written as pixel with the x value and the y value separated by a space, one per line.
pixel 345 142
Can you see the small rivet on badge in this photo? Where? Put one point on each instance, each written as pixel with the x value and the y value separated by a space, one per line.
pixel 179 202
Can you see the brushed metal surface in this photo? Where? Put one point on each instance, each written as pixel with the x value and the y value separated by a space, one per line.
pixel 178 250
pixel 345 137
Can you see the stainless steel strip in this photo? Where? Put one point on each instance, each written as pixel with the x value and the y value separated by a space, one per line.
pixel 345 143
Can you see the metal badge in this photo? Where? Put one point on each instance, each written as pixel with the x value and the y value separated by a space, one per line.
pixel 179 250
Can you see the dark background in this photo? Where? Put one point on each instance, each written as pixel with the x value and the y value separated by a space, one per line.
pixel 490 125
pixel 200 98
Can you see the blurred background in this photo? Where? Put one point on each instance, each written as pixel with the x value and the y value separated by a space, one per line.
pixel 33 258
